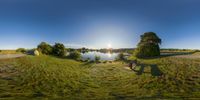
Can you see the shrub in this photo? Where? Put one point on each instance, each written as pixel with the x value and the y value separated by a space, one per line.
pixel 22 50
pixel 194 51
pixel 45 48
pixel 59 49
pixel 97 58
pixel 75 55
pixel 120 56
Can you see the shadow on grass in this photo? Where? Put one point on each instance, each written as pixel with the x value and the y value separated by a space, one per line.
pixel 155 71
pixel 141 70
pixel 88 64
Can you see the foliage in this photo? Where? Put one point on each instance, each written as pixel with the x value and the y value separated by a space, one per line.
pixel 75 55
pixel 70 49
pixel 147 50
pixel 84 50
pixel 59 49
pixel 150 37
pixel 22 50
pixel 148 45
pixel 197 51
pixel 97 58
pixel 120 56
pixel 45 48
pixel 87 60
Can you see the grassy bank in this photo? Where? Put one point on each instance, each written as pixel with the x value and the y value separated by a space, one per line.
pixel 50 77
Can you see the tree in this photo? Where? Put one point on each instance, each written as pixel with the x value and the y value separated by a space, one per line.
pixel 22 50
pixel 120 56
pixel 45 48
pixel 75 55
pixel 148 45
pixel 59 49
pixel 97 59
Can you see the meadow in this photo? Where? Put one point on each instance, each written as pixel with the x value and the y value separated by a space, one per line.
pixel 9 52
pixel 43 77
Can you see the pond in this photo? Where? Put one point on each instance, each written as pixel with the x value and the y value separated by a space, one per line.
pixel 103 56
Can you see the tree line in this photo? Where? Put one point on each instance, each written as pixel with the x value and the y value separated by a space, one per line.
pixel 148 46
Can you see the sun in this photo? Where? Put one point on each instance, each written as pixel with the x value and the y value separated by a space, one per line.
pixel 109 45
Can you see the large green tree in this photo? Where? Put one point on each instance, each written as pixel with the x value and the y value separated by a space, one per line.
pixel 45 48
pixel 148 45
pixel 75 55
pixel 59 49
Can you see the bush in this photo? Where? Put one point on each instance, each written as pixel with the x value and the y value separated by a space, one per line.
pixel 194 51
pixel 59 49
pixel 45 48
pixel 22 50
pixel 120 56
pixel 75 55
pixel 97 58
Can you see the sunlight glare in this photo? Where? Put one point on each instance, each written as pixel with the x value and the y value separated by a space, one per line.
pixel 109 45
pixel 109 54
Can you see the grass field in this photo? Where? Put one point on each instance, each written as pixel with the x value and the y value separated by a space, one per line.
pixel 50 77
pixel 9 52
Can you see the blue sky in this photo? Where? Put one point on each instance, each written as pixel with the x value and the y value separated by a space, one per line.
pixel 97 23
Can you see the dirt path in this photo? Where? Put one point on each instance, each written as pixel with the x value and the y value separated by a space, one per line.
pixel 6 56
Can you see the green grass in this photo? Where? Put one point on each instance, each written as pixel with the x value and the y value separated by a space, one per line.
pixel 43 76
pixel 9 52
pixel 50 77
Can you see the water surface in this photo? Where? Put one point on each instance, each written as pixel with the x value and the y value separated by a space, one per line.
pixel 103 56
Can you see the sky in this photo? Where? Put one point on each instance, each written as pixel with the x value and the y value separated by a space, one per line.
pixel 99 23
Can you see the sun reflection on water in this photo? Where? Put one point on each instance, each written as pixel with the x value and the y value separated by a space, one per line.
pixel 109 54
